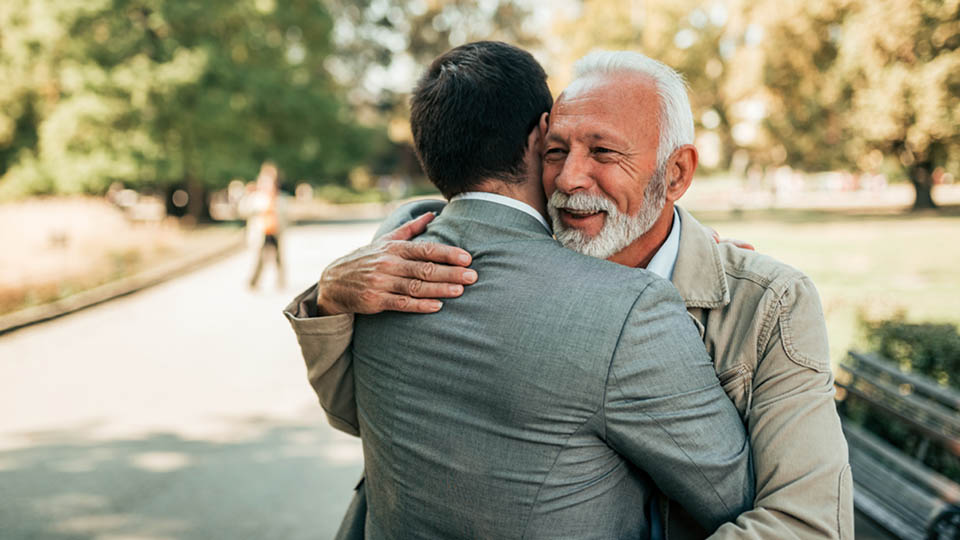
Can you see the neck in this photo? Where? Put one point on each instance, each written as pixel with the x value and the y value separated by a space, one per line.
pixel 641 251
pixel 530 193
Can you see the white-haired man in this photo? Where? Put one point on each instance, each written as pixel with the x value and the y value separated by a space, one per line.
pixel 618 155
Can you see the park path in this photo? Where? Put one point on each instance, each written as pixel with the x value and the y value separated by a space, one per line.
pixel 181 411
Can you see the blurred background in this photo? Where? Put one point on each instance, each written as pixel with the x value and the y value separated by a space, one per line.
pixel 134 136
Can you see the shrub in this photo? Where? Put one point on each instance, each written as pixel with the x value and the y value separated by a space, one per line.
pixel 930 349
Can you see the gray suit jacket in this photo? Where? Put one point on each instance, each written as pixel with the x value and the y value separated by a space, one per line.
pixel 545 402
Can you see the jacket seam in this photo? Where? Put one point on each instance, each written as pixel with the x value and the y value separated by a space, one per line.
pixel 601 410
pixel 606 382
pixel 536 497
pixel 696 465
pixel 773 313
pixel 648 415
pixel 766 328
pixel 845 471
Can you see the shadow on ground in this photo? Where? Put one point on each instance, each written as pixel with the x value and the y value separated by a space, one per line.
pixel 277 480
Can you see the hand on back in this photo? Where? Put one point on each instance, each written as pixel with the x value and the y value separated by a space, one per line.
pixel 395 274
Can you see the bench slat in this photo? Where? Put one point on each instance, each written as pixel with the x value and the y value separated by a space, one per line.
pixel 916 472
pixel 947 397
pixel 934 421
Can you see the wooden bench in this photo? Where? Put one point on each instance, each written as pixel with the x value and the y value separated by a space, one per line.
pixel 896 490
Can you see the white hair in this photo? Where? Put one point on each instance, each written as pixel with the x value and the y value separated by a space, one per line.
pixel 676 119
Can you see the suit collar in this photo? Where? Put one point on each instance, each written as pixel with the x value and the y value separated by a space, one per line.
pixel 493 214
pixel 699 274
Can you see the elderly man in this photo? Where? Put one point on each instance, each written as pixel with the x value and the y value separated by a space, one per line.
pixel 618 156
pixel 483 422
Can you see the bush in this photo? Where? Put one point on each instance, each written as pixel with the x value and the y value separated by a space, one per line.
pixel 929 349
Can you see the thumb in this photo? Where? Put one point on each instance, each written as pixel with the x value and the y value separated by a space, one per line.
pixel 411 228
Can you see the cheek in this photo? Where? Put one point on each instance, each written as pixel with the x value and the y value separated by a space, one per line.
pixel 548 175
pixel 617 187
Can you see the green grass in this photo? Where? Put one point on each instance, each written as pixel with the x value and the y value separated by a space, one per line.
pixel 871 264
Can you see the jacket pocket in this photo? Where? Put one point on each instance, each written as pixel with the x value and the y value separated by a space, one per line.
pixel 735 382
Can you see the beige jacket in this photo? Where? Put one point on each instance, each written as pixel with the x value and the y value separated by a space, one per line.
pixel 763 326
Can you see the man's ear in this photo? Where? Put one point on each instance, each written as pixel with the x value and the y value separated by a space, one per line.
pixel 544 123
pixel 680 168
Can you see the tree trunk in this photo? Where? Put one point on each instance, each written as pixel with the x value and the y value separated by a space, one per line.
pixel 922 180
pixel 197 205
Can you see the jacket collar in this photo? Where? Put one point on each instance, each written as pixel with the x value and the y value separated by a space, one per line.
pixel 699 274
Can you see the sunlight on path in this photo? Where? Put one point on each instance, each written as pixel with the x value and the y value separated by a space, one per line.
pixel 180 411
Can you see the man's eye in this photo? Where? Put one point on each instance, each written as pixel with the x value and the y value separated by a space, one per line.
pixel 602 150
pixel 555 153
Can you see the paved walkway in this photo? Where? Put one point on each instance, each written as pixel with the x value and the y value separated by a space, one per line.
pixel 181 411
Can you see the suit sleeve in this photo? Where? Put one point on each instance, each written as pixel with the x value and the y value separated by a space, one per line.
pixel 804 487
pixel 665 411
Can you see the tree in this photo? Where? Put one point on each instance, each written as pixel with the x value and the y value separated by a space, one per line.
pixel 857 80
pixel 155 94
pixel 382 46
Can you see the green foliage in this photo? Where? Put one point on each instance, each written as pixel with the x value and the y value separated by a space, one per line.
pixel 855 81
pixel 374 36
pixel 928 349
pixel 862 85
pixel 154 93
pixel 932 350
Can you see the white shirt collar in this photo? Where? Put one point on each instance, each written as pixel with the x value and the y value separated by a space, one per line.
pixel 665 258
pixel 506 201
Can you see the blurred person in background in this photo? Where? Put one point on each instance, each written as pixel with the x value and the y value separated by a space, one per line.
pixel 266 219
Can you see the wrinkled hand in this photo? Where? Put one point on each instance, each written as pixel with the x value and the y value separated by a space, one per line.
pixel 738 243
pixel 394 274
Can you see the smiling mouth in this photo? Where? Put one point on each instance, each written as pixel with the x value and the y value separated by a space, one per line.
pixel 581 213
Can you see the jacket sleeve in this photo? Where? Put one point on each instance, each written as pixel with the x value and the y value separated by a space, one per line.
pixel 665 411
pixel 325 345
pixel 325 341
pixel 804 487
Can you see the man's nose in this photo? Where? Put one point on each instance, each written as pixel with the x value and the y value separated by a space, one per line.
pixel 575 175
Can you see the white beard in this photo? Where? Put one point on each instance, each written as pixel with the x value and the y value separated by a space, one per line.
pixel 619 229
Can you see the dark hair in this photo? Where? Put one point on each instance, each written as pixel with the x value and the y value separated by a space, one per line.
pixel 471 113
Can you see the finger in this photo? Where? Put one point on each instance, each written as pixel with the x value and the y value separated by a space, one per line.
pixel 396 302
pixel 411 228
pixel 429 251
pixel 739 243
pixel 436 273
pixel 417 288
pixel 714 234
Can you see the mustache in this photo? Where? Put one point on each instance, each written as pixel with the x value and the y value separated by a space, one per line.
pixel 581 202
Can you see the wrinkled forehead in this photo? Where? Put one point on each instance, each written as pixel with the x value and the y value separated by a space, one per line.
pixel 621 102
pixel 613 88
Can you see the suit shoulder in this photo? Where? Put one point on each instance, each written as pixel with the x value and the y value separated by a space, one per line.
pixel 602 272
pixel 407 212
